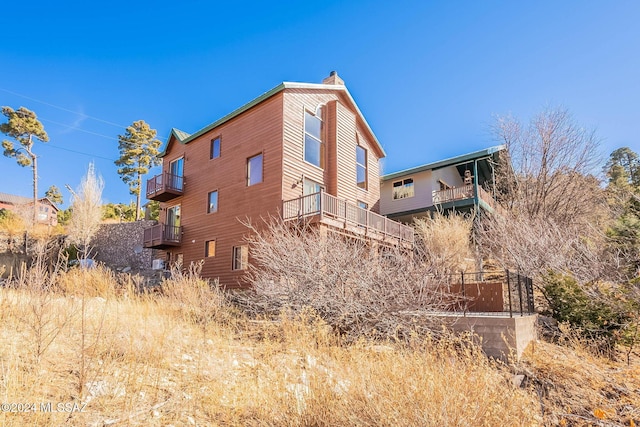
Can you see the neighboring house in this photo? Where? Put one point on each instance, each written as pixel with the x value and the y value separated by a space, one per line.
pixel 459 183
pixel 23 206
pixel 299 151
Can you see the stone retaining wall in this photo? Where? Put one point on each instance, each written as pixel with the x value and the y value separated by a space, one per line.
pixel 119 245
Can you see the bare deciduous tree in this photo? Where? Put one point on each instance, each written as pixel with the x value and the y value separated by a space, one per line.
pixel 555 207
pixel 87 210
pixel 552 161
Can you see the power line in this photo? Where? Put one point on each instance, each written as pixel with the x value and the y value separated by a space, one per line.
pixel 73 112
pixel 62 108
pixel 77 128
pixel 78 152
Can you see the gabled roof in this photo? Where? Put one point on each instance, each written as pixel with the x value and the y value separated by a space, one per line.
pixel 447 162
pixel 179 134
pixel 185 138
pixel 12 199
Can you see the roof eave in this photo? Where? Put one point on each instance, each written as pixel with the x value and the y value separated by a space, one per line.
pixel 282 86
pixel 446 162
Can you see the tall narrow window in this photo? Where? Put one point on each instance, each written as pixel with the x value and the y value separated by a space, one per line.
pixel 215 148
pixel 240 257
pixel 210 249
pixel 361 167
pixel 313 146
pixel 172 229
pixel 213 202
pixel 403 189
pixel 176 173
pixel 254 170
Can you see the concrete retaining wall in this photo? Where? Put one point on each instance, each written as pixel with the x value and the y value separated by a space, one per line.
pixel 501 337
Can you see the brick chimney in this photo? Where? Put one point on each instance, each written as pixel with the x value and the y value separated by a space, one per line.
pixel 333 79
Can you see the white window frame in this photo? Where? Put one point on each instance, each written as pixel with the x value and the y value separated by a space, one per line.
pixel 365 184
pixel 313 138
pixel 249 172
pixel 404 184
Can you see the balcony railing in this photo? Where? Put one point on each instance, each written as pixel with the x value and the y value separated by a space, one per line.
pixel 165 187
pixel 451 194
pixel 161 235
pixel 463 193
pixel 361 220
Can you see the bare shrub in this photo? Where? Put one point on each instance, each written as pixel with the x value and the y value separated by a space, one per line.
pixel 445 242
pixel 197 300
pixel 44 322
pixel 359 287
pixel 535 246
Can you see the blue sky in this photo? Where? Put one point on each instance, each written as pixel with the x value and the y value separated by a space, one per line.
pixel 430 76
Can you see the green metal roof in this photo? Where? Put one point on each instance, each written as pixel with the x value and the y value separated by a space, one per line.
pixel 185 138
pixel 446 162
pixel 179 134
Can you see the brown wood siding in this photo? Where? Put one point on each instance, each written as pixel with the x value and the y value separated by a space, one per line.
pixel 372 195
pixel 274 128
pixel 256 131
pixel 340 127
pixel 296 101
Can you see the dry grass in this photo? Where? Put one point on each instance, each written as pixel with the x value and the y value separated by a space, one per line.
pixel 577 388
pixel 147 363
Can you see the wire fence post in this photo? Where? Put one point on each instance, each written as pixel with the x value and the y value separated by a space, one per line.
pixel 520 294
pixel 464 296
pixel 509 292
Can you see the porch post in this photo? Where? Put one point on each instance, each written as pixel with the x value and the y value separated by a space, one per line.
pixel 476 196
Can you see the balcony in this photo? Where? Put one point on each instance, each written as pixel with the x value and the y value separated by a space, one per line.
pixel 165 187
pixel 466 193
pixel 162 236
pixel 327 209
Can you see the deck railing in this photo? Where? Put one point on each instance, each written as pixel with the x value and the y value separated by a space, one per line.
pixel 462 193
pixel 455 193
pixel 161 234
pixel 326 205
pixel 164 182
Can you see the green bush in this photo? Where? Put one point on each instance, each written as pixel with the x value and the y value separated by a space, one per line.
pixel 602 313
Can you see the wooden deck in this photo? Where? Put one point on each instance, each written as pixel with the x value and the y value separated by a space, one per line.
pixel 342 214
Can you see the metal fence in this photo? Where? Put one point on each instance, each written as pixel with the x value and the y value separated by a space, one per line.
pixel 492 292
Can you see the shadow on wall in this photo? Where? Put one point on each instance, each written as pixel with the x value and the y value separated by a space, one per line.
pixel 11 263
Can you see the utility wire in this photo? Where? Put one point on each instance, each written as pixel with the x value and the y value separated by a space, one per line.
pixel 74 112
pixel 80 129
pixel 77 152
pixel 63 109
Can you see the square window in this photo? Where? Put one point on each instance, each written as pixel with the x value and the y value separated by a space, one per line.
pixel 210 249
pixel 403 189
pixel 254 170
pixel 215 148
pixel 213 202
pixel 240 257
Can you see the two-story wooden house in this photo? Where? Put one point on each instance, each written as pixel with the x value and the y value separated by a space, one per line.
pixel 47 210
pixel 298 151
pixel 459 183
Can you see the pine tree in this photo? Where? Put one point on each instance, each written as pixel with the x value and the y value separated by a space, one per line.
pixel 139 151
pixel 53 194
pixel 23 126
